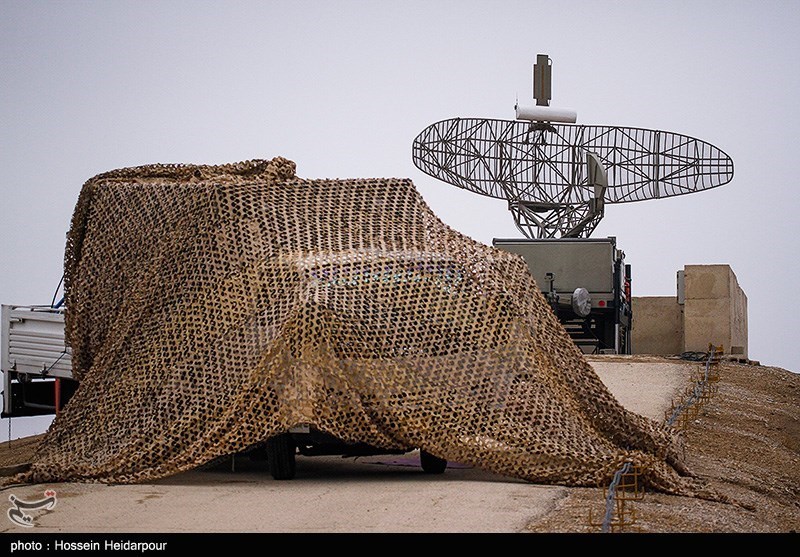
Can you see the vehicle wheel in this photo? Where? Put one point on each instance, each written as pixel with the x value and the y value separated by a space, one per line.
pixel 281 456
pixel 431 464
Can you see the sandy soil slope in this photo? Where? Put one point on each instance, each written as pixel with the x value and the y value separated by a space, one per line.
pixel 744 441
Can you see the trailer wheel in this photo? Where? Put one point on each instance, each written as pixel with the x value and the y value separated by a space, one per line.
pixel 281 456
pixel 431 464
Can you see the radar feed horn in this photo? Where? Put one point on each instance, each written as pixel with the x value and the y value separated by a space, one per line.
pixel 542 93
pixel 542 80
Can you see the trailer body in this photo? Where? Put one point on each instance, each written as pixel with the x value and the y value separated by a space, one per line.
pixel 587 284
pixel 36 361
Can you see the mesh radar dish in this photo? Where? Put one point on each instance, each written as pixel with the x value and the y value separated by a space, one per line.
pixel 556 175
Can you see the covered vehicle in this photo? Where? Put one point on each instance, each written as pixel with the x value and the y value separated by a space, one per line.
pixel 213 308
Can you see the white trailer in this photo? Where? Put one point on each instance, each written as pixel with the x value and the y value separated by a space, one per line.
pixel 36 362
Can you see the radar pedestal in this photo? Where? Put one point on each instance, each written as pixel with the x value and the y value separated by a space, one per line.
pixel 545 220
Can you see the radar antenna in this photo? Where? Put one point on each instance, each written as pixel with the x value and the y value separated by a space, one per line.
pixel 558 176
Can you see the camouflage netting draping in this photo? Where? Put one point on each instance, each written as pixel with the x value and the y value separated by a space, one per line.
pixel 211 307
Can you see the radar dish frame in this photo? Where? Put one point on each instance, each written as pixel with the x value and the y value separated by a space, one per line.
pixel 540 168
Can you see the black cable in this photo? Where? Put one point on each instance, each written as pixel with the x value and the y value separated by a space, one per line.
pixel 694 356
pixel 53 302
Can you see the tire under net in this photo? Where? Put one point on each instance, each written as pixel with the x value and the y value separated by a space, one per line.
pixel 432 464
pixel 281 456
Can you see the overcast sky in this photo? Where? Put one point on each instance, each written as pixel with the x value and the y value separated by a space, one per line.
pixel 343 88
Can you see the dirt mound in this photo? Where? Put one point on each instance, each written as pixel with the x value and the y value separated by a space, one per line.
pixel 17 453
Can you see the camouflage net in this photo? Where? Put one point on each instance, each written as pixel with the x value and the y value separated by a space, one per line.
pixel 212 307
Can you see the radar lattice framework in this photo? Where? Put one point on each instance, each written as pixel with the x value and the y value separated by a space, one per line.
pixel 557 176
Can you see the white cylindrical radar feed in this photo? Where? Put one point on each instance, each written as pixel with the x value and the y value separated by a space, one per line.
pixel 546 114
